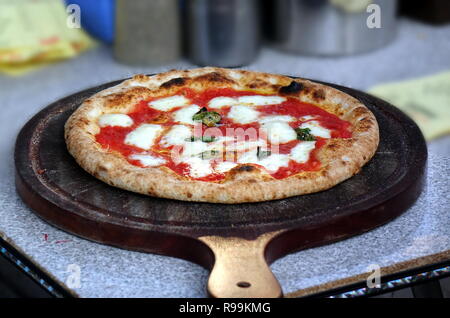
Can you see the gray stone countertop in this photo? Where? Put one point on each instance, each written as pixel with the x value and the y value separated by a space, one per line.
pixel 422 231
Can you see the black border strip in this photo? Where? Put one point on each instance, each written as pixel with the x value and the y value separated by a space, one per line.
pixel 29 269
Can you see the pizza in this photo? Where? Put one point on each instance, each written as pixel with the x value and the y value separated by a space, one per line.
pixel 222 136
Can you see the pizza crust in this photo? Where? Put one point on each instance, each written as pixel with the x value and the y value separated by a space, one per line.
pixel 340 158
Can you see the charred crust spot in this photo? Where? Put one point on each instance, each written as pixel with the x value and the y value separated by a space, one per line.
pixel 102 168
pixel 137 91
pixel 252 181
pixel 275 87
pixel 358 112
pixel 189 195
pixel 151 191
pixel 118 98
pixel 257 84
pixel 83 121
pixel 179 81
pixel 130 95
pixel 139 77
pixel 365 123
pixel 245 168
pixel 293 88
pixel 319 94
pixel 332 146
pixel 214 77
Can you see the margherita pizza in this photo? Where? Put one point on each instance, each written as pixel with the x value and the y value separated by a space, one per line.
pixel 222 136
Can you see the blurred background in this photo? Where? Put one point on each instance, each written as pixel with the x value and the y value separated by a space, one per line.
pixel 398 50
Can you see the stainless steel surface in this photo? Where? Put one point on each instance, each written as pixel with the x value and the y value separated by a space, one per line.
pixel 332 27
pixel 147 32
pixel 223 32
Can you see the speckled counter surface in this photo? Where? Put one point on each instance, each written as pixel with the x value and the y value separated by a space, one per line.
pixel 423 231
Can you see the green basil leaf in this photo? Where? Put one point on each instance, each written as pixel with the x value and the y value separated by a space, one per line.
pixel 208 118
pixel 304 134
pixel 204 138
pixel 209 154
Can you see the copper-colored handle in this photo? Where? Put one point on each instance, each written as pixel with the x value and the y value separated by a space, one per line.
pixel 240 270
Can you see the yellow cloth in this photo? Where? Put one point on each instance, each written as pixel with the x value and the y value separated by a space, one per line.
pixel 426 100
pixel 34 33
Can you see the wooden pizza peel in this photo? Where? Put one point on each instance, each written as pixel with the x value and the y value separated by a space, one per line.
pixel 237 242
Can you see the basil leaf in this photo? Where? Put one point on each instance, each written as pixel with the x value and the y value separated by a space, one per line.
pixel 204 138
pixel 304 134
pixel 200 114
pixel 208 118
pixel 211 119
pixel 208 138
pixel 209 154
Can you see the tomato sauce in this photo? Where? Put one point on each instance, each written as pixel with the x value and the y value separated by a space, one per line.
pixel 112 138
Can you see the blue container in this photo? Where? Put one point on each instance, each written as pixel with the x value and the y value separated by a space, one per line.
pixel 98 17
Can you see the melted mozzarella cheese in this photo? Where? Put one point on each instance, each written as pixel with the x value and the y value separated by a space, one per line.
pixel 121 120
pixel 253 100
pixel 194 148
pixel 272 163
pixel 248 157
pixel 279 132
pixel 198 168
pixel 176 136
pixel 148 160
pixel 167 103
pixel 301 152
pixel 219 144
pixel 245 145
pixel 258 100
pixel 185 115
pixel 225 166
pixel 143 136
pixel 316 129
pixel 282 118
pixel 220 102
pixel 243 114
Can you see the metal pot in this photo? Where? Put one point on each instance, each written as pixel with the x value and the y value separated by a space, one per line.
pixel 147 32
pixel 333 27
pixel 222 32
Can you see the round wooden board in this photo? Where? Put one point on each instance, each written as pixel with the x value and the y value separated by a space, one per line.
pixel 237 241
